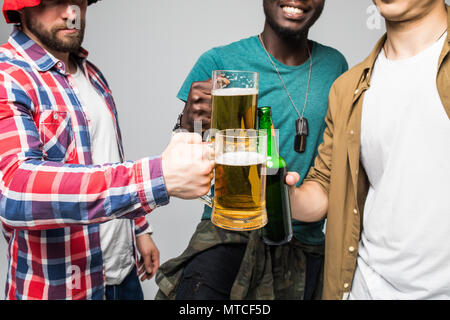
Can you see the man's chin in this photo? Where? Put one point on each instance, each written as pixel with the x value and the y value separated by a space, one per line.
pixel 292 33
pixel 392 16
pixel 289 29
pixel 67 43
pixel 394 12
pixel 66 46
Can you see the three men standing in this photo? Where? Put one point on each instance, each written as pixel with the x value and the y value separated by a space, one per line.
pixel 381 176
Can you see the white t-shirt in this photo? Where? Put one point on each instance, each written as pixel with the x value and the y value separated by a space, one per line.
pixel 116 237
pixel 404 250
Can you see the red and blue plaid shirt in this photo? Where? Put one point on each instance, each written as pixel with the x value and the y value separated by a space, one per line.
pixel 51 195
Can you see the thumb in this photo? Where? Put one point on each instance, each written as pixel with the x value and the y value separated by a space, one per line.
pixel 292 178
pixel 148 264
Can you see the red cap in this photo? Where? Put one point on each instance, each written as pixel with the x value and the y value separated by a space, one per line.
pixel 10 8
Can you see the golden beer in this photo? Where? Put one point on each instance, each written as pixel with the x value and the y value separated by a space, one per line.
pixel 239 191
pixel 234 108
pixel 239 187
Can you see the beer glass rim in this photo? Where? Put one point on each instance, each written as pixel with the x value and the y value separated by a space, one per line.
pixel 240 71
pixel 228 132
pixel 251 79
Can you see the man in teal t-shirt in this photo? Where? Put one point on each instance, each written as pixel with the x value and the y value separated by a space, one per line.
pixel 282 50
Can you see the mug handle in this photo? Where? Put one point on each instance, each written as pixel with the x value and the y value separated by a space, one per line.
pixel 207 199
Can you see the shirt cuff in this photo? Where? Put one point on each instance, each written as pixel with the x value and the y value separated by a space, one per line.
pixel 142 227
pixel 150 184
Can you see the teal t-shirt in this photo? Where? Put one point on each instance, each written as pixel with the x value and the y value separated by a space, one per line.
pixel 249 55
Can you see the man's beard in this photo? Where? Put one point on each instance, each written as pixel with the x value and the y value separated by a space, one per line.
pixel 286 33
pixel 49 37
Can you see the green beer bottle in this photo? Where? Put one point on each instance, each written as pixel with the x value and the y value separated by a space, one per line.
pixel 278 229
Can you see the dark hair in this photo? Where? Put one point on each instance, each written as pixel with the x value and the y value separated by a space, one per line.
pixel 13 16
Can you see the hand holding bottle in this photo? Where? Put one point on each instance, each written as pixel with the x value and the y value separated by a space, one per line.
pixel 309 202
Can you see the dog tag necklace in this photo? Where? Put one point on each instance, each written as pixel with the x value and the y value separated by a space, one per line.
pixel 301 124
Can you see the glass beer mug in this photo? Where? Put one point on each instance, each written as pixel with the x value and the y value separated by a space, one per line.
pixel 234 100
pixel 239 201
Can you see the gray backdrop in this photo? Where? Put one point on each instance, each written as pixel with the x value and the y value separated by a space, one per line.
pixel 146 48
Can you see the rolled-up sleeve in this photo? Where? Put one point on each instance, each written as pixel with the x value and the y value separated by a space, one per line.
pixel 40 194
pixel 321 171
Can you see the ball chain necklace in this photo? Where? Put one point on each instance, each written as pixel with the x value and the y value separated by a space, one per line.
pixel 301 125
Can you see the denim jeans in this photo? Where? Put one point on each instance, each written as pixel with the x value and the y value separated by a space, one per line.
pixel 129 289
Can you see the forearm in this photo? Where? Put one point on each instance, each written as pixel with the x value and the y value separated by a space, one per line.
pixel 46 195
pixel 36 193
pixel 309 202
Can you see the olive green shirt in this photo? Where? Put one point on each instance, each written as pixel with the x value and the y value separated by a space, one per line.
pixel 339 171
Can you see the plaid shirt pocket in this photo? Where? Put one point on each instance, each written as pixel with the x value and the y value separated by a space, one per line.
pixel 55 129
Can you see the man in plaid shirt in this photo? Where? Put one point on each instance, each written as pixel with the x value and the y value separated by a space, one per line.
pixel 54 195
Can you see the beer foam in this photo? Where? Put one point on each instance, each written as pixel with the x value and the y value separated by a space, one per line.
pixel 241 158
pixel 235 92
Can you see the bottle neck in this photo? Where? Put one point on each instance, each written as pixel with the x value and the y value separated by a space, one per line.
pixel 267 124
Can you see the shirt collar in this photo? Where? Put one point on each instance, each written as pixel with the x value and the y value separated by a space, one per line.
pixel 33 53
